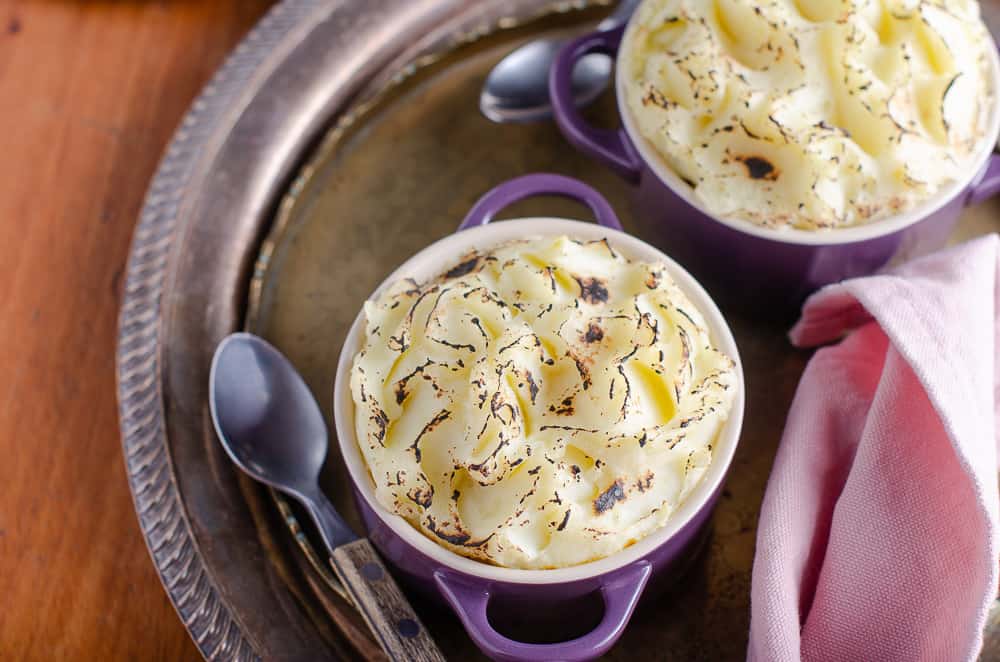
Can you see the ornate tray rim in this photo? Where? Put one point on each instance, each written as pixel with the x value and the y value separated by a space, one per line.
pixel 151 472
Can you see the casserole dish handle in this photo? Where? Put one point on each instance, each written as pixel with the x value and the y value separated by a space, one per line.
pixel 609 146
pixel 540 183
pixel 470 602
pixel 988 185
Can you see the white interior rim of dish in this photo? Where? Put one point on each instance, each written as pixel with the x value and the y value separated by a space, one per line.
pixel 427 264
pixel 878 228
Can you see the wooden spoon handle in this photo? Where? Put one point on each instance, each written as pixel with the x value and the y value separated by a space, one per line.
pixel 384 607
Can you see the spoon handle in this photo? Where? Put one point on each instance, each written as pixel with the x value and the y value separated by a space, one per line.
pixel 384 607
pixel 620 16
pixel 332 527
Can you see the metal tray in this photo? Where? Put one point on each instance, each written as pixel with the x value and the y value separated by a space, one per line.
pixel 339 139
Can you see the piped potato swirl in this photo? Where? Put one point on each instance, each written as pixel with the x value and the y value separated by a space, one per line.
pixel 543 404
pixel 811 114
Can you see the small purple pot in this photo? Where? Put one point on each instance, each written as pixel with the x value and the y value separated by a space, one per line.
pixel 470 587
pixel 745 261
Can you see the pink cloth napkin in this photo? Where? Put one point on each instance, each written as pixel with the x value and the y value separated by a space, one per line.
pixel 878 536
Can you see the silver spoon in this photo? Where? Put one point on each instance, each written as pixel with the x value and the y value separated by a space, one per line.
pixel 517 89
pixel 272 428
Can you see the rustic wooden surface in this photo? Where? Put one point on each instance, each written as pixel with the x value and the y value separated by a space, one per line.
pixel 90 93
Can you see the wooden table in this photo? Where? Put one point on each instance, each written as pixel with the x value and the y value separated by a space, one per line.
pixel 90 93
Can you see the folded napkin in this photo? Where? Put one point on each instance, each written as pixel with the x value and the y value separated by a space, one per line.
pixel 878 536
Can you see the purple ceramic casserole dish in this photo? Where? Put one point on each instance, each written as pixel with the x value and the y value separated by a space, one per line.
pixel 778 267
pixel 470 586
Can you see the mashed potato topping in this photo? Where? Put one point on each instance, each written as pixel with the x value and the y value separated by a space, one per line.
pixel 540 405
pixel 811 113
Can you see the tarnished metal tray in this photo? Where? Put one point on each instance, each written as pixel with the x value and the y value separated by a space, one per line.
pixel 339 139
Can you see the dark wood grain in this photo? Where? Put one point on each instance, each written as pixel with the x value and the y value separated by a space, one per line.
pixel 385 608
pixel 90 92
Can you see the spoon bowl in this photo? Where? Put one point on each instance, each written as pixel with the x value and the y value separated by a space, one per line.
pixel 269 422
pixel 517 89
